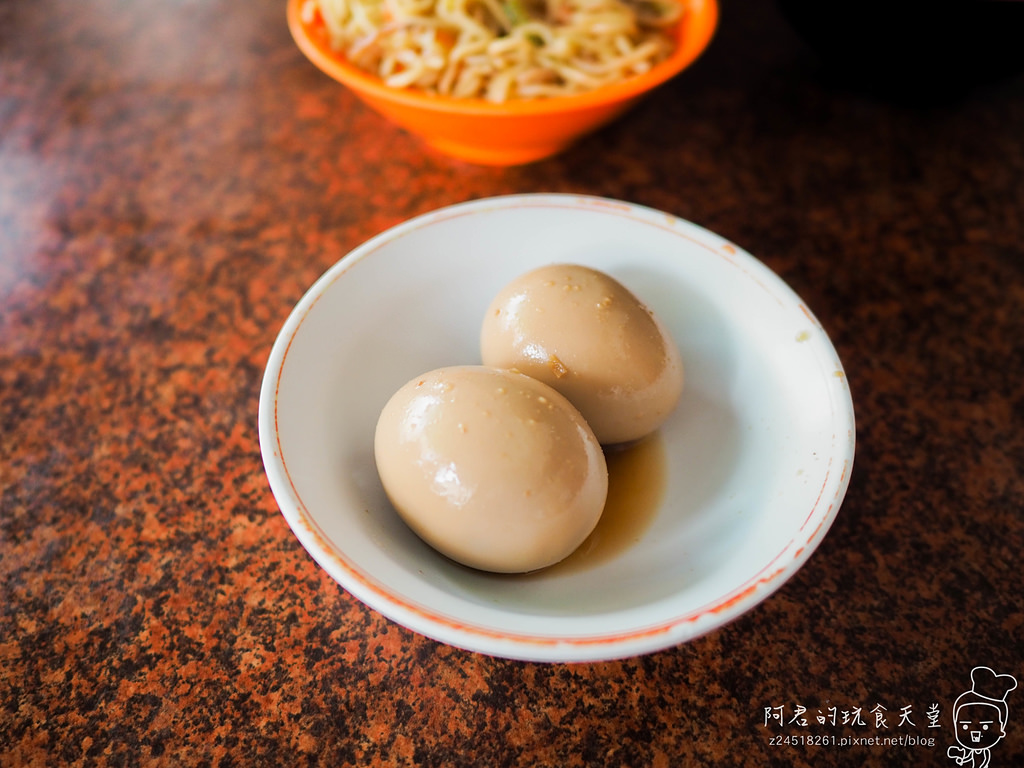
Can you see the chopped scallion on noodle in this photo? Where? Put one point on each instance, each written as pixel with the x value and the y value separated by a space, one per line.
pixel 499 50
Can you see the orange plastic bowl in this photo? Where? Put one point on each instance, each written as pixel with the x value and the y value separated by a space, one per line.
pixel 515 132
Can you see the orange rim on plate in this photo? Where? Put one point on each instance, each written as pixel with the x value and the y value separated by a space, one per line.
pixel 668 625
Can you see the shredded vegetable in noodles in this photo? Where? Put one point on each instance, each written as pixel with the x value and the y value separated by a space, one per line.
pixel 499 49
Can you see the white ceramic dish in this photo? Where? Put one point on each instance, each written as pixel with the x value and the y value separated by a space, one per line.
pixel 759 451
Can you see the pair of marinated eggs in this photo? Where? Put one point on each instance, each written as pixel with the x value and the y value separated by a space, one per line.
pixel 500 466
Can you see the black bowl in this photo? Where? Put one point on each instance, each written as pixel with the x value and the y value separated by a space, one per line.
pixel 913 49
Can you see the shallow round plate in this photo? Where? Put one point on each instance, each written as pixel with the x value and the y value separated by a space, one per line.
pixel 758 452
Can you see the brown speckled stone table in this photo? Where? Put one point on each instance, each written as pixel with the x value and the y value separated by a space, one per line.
pixel 174 175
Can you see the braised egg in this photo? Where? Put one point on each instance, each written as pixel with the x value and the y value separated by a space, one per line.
pixel 492 468
pixel 586 335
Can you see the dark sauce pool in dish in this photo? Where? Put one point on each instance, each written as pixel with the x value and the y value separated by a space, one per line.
pixel 637 475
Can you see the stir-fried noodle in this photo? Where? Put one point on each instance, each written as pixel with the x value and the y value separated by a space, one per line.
pixel 499 49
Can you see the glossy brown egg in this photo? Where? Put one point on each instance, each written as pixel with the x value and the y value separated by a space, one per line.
pixel 492 468
pixel 586 335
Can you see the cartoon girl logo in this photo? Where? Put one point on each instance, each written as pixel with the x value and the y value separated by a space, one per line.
pixel 979 716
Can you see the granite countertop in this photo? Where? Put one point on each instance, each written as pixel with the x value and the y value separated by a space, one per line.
pixel 174 176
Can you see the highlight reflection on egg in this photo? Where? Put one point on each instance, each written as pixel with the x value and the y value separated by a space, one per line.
pixel 490 467
pixel 586 335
